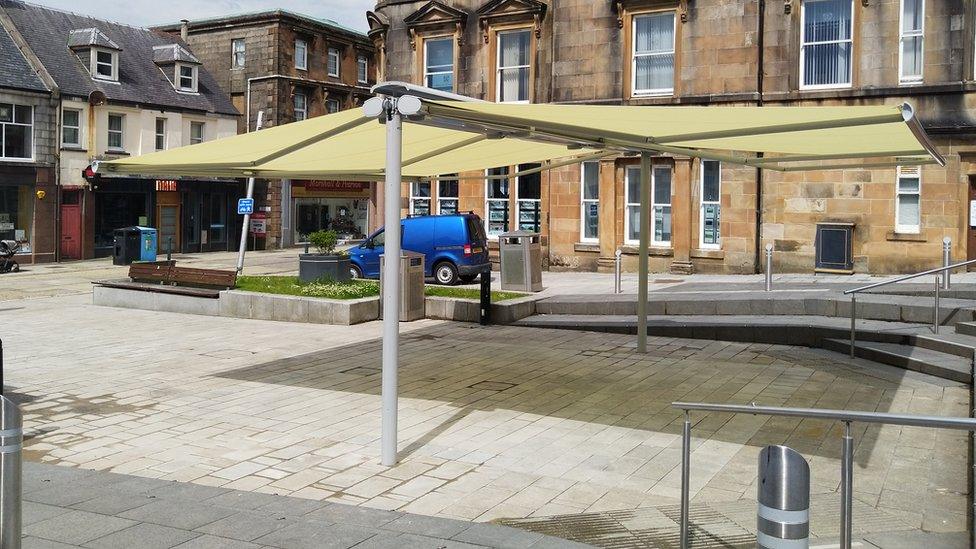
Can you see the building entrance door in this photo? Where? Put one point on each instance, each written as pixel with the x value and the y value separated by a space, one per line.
pixel 71 225
pixel 971 223
pixel 168 221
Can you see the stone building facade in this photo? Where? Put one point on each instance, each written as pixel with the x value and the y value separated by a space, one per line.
pixel 290 67
pixel 708 217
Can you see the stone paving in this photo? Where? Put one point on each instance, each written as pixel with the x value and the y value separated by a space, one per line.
pixel 496 422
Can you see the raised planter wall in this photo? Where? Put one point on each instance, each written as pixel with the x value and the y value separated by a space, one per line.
pixel 286 308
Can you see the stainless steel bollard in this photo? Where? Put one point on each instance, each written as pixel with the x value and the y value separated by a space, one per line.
pixel 783 518
pixel 616 272
pixel 935 309
pixel 946 260
pixel 11 440
pixel 769 267
pixel 847 488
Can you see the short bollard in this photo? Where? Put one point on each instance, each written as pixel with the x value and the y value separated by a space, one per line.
pixel 616 272
pixel 11 439
pixel 783 519
pixel 484 316
pixel 169 249
pixel 769 267
pixel 946 260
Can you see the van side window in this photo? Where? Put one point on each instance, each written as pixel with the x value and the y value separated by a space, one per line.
pixel 379 239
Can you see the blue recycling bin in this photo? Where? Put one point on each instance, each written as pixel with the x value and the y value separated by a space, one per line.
pixel 148 243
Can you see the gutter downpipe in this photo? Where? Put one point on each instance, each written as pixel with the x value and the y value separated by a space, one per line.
pixel 760 45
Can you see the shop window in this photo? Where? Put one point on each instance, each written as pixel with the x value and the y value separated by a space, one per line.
pixel 827 43
pixel 590 202
pixel 238 53
pixel 16 213
pixel 116 132
pixel 653 51
pixel 912 41
pixel 197 132
pixel 114 210
pixel 420 198
pixel 496 201
pixel 332 62
pixel 632 207
pixel 160 134
pixel 218 218
pixel 660 205
pixel 362 69
pixel 528 196
pixel 908 194
pixel 447 195
pixel 17 131
pixel 711 207
pixel 513 69
pixel 439 63
pixel 301 54
pixel 71 127
pixel 301 105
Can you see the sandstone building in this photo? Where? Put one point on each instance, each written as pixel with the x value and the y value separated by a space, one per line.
pixel 706 216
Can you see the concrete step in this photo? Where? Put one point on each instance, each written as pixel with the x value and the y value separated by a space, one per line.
pixel 968 328
pixel 909 357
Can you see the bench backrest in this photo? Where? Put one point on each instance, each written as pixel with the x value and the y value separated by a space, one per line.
pixel 167 272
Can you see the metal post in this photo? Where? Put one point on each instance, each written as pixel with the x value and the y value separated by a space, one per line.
pixel 783 495
pixel 642 260
pixel 169 249
pixel 935 312
pixel 391 291
pixel 485 316
pixel 1 366
pixel 769 267
pixel 245 227
pixel 685 479
pixel 846 487
pixel 616 272
pixel 853 317
pixel 946 260
pixel 11 440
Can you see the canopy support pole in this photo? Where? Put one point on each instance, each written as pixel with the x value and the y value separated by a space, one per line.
pixel 391 282
pixel 645 237
pixel 247 217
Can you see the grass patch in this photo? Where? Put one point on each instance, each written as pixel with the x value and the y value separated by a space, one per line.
pixel 469 293
pixel 290 285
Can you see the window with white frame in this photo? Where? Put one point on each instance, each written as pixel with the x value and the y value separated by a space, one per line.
pixel 912 41
pixel 496 201
pixel 632 205
pixel 826 43
pixel 238 53
pixel 908 194
pixel 711 205
pixel 197 132
pixel 104 64
pixel 301 54
pixel 160 134
pixel 660 205
pixel 116 131
pixel 331 105
pixel 420 198
pixel 528 198
pixel 301 105
pixel 447 195
pixel 514 62
pixel 590 202
pixel 362 69
pixel 186 77
pixel 332 62
pixel 71 127
pixel 16 131
pixel 439 63
pixel 653 51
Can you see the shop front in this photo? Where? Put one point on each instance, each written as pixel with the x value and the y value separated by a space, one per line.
pixel 342 206
pixel 17 207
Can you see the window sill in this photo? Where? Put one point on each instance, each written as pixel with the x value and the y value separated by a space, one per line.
pixel 586 247
pixel 708 253
pixel 653 251
pixel 117 152
pixel 893 236
pixel 73 148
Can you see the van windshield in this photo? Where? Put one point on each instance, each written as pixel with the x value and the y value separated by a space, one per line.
pixel 379 239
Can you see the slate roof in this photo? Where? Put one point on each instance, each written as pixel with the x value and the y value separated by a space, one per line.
pixel 277 13
pixel 15 71
pixel 172 53
pixel 141 81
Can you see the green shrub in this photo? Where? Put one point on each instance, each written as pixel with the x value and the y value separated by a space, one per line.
pixel 324 241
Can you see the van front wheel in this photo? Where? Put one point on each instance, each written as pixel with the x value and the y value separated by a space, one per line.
pixel 446 273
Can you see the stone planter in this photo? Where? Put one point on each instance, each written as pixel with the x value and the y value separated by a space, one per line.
pixel 312 267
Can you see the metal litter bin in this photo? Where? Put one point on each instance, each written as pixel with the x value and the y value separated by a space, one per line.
pixel 127 246
pixel 783 517
pixel 413 302
pixel 520 258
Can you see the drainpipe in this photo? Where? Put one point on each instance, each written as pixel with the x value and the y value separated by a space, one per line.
pixel 760 68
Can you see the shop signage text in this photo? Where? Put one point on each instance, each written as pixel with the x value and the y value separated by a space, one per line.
pixel 331 189
pixel 165 185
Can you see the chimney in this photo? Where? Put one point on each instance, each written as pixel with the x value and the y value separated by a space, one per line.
pixel 184 29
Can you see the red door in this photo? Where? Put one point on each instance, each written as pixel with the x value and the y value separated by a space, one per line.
pixel 71 225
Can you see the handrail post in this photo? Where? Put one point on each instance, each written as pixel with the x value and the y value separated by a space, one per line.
pixel 685 479
pixel 616 271
pixel 846 487
pixel 769 267
pixel 946 260
pixel 935 316
pixel 853 317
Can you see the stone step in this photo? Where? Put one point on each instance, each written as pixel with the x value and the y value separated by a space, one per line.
pixel 968 328
pixel 909 357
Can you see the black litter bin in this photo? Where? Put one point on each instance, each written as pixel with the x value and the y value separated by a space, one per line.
pixel 127 245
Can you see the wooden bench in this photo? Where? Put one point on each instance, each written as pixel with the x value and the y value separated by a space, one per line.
pixel 166 277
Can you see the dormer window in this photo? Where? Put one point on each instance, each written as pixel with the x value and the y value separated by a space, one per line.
pixel 186 77
pixel 105 64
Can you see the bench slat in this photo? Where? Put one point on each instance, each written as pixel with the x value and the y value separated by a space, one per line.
pixel 167 272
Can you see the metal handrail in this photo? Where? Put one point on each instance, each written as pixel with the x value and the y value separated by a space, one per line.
pixel 847 457
pixel 941 274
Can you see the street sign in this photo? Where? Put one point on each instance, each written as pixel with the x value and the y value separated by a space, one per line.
pixel 245 206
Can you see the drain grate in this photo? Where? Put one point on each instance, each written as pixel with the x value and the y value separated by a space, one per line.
pixel 491 386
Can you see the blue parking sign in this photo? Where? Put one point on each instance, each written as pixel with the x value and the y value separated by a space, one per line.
pixel 245 206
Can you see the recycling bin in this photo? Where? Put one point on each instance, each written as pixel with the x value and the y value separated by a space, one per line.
pixel 413 302
pixel 520 261
pixel 148 243
pixel 134 244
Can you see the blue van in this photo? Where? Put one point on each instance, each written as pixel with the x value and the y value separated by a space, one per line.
pixel 455 248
